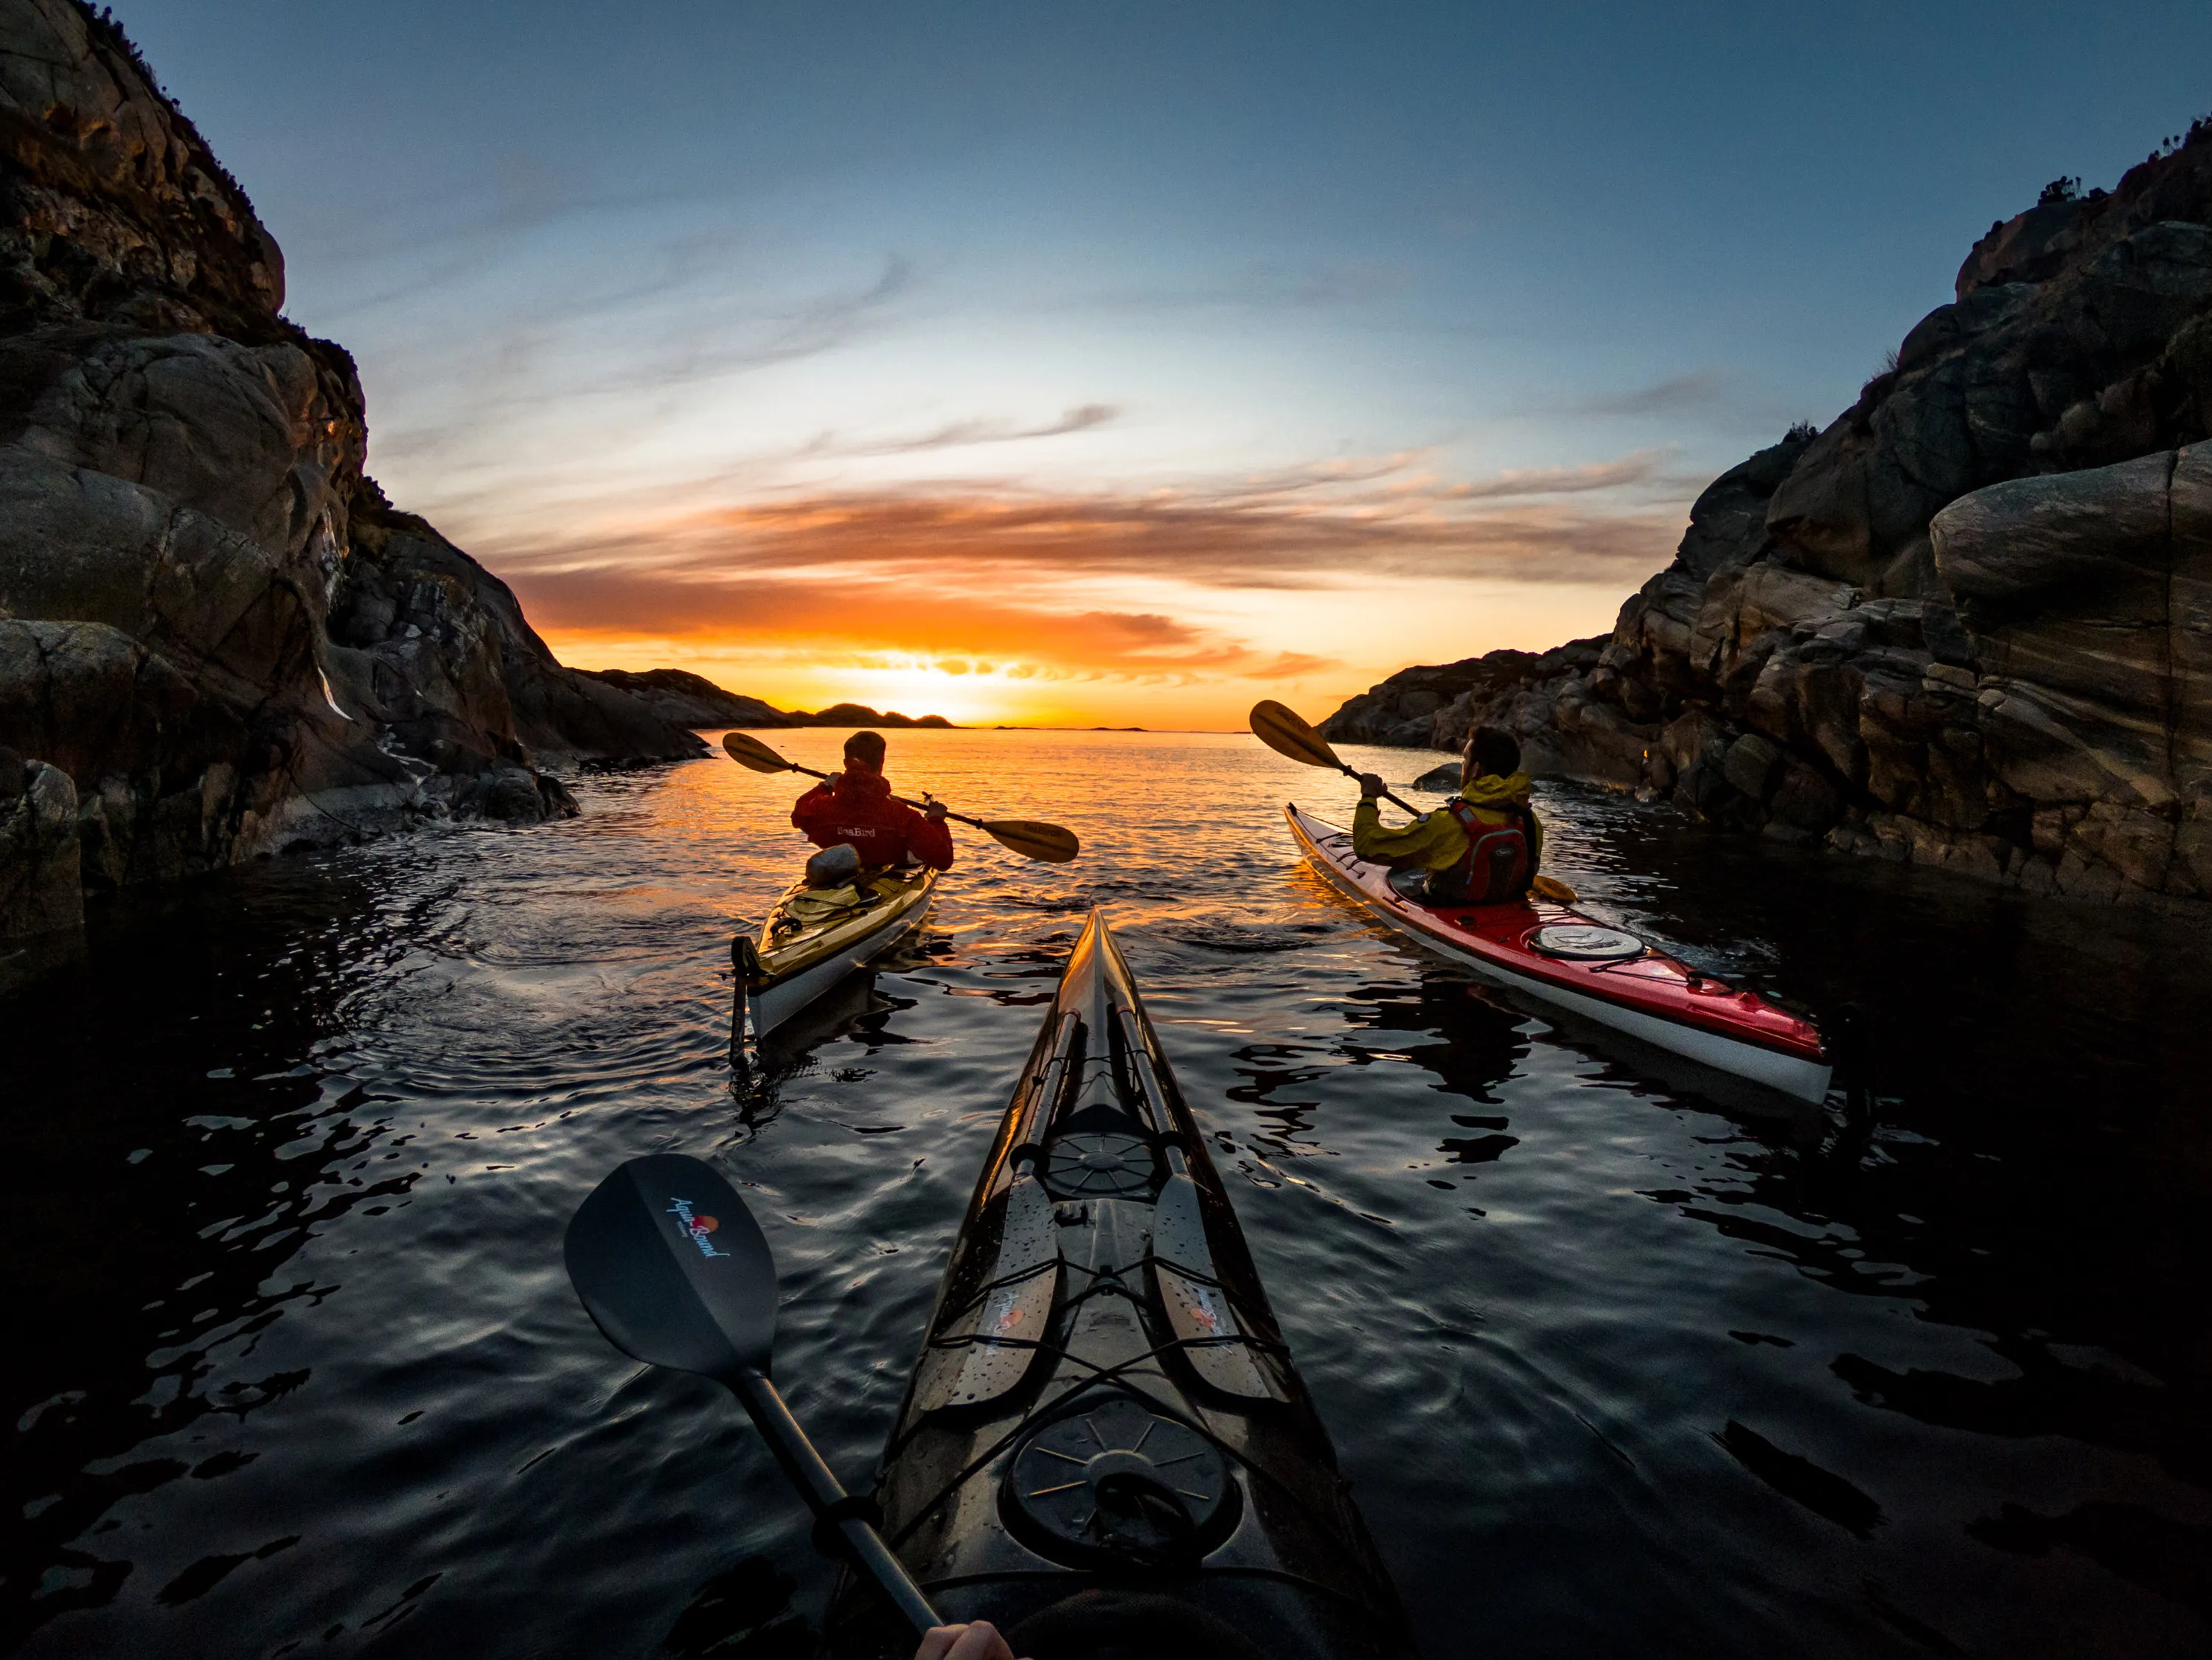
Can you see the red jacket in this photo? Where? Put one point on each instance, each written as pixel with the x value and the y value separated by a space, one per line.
pixel 861 810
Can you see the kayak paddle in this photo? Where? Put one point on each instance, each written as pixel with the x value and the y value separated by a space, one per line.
pixel 672 1266
pixel 1283 729
pixel 1048 842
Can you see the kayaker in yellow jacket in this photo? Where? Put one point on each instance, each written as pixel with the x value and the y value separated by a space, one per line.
pixel 1480 847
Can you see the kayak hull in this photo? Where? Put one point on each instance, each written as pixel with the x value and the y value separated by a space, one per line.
pixel 795 963
pixel 1104 1440
pixel 1649 996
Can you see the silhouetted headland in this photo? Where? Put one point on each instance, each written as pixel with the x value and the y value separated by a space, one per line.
pixel 1966 625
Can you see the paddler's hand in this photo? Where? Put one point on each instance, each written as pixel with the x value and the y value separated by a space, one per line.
pixel 1371 785
pixel 935 813
pixel 979 1641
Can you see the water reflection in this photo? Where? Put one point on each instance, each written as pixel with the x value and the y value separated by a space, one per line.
pixel 1617 1363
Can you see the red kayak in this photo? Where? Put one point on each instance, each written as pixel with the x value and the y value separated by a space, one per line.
pixel 1576 962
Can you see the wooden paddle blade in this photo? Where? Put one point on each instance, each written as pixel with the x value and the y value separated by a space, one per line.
pixel 1283 731
pixel 1546 887
pixel 1031 839
pixel 749 751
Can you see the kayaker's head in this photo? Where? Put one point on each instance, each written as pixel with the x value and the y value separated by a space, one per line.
pixel 1490 751
pixel 864 754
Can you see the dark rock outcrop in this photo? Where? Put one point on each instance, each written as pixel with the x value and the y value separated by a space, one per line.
pixel 1970 624
pixel 691 700
pixel 210 622
pixel 860 714
pixel 39 889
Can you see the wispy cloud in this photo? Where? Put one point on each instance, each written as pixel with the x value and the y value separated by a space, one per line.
pixel 1681 391
pixel 1299 527
pixel 1641 467
pixel 834 621
pixel 977 430
pixel 745 336
pixel 984 573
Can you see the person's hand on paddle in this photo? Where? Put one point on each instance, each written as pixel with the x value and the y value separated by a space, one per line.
pixel 934 812
pixel 979 1641
pixel 1371 785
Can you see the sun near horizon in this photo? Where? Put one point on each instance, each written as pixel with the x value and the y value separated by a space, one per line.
pixel 1023 364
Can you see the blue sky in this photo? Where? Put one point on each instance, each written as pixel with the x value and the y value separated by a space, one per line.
pixel 1190 353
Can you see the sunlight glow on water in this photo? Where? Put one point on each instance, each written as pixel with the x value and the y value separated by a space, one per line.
pixel 1612 1368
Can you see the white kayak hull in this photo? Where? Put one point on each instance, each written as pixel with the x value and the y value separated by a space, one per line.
pixel 1327 849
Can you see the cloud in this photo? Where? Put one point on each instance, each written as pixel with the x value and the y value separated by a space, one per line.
pixel 1038 582
pixel 831 622
pixel 977 430
pixel 1639 468
pixel 1316 526
pixel 1682 392
pixel 744 338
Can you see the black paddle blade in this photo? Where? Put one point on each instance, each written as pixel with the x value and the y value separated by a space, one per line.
pixel 672 1267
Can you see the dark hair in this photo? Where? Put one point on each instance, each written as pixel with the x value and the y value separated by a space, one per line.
pixel 1493 749
pixel 868 745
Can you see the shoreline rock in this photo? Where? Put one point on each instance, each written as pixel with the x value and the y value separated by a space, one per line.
pixel 213 626
pixel 1969 624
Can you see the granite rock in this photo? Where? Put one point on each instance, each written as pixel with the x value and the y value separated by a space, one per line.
pixel 214 630
pixel 1969 624
pixel 39 888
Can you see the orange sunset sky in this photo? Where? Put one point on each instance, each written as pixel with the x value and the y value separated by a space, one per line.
pixel 1119 365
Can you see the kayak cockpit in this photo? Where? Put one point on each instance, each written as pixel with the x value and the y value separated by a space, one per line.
pixel 815 936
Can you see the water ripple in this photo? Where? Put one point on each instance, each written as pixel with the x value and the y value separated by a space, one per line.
pixel 1617 1364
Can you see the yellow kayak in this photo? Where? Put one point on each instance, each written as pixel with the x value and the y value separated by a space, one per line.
pixel 814 937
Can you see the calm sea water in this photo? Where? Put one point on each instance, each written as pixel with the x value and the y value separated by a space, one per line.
pixel 1616 1369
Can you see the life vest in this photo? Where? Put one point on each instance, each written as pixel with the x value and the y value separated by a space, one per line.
pixel 1495 864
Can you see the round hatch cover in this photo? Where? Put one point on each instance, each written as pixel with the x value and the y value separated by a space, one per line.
pixel 1586 941
pixel 1118 1482
pixel 1098 1166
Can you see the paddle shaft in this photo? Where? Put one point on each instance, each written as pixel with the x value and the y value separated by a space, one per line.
pixel 1350 772
pixel 821 1490
pixel 922 805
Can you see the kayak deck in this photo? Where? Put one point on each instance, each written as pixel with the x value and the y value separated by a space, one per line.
pixel 814 938
pixel 1104 1438
pixel 1601 973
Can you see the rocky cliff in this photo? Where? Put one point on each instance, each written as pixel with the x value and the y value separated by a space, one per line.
pixel 692 700
pixel 216 638
pixel 1970 624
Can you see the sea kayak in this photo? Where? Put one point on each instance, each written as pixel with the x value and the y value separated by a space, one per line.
pixel 1604 973
pixel 1104 1447
pixel 814 937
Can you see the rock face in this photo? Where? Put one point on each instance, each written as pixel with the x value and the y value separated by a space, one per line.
pixel 1969 624
pixel 212 626
pixel 39 888
pixel 691 700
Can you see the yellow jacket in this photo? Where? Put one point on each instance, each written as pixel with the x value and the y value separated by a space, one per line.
pixel 1436 842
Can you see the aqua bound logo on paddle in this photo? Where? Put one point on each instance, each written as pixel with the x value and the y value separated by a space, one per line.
pixel 696 1228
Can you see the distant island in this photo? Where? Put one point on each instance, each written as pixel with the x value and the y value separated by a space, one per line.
pixel 690 700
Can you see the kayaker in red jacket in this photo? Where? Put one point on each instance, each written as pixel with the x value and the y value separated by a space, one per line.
pixel 854 807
